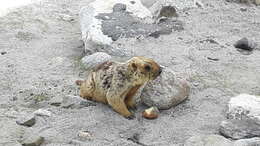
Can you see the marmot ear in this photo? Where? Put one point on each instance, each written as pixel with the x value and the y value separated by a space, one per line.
pixel 133 66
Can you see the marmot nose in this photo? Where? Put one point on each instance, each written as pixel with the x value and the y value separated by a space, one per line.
pixel 160 70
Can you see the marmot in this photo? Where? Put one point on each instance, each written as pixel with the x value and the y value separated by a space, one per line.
pixel 116 83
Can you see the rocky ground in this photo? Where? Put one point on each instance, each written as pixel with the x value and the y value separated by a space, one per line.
pixel 41 48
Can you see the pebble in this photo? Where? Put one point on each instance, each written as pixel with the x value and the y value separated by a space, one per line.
pixel 26 120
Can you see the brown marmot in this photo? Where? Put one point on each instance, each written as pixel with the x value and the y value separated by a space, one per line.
pixel 116 83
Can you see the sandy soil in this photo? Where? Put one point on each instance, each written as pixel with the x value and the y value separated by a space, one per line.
pixel 40 52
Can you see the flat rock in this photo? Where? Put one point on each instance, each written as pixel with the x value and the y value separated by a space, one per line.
pixel 32 140
pixel 91 61
pixel 76 102
pixel 165 91
pixel 208 140
pixel 248 142
pixel 244 106
pixel 104 22
pixel 42 112
pixel 26 120
pixel 56 101
pixel 238 129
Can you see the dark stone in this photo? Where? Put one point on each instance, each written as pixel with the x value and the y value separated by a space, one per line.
pixel 245 44
pixel 168 11
pixel 3 53
pixel 119 7
pixel 238 129
pixel 26 120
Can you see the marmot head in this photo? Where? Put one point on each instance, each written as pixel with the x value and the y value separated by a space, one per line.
pixel 144 68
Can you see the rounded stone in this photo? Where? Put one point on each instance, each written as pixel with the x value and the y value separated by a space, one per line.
pixel 165 91
pixel 91 61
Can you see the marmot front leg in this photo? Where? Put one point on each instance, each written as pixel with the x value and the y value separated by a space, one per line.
pixel 118 104
pixel 130 102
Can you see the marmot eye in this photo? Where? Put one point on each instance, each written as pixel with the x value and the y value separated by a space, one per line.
pixel 147 68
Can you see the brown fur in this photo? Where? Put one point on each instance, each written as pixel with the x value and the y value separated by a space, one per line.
pixel 116 83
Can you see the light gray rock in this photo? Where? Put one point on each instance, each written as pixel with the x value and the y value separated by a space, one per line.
pixel 56 101
pixel 42 112
pixel 165 91
pixel 32 140
pixel 148 3
pixel 26 120
pixel 208 140
pixel 238 129
pixel 76 102
pixel 248 142
pixel 244 106
pixel 91 61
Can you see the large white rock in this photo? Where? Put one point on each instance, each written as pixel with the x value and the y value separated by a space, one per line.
pixel 91 27
pixel 244 106
pixel 165 91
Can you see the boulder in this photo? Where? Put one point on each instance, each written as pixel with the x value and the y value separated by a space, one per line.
pixel 208 140
pixel 238 129
pixel 165 91
pixel 91 25
pixel 248 142
pixel 244 106
pixel 105 22
pixel 91 61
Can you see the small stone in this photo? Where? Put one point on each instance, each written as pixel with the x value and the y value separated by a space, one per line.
pixel 91 61
pixel 56 101
pixel 26 120
pixel 66 17
pixel 33 140
pixel 85 134
pixel 119 7
pixel 42 112
pixel 238 129
pixel 245 44
pixel 151 113
pixel 3 53
pixel 168 12
pixel 243 9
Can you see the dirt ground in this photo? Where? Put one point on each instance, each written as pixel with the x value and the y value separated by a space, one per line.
pixel 41 48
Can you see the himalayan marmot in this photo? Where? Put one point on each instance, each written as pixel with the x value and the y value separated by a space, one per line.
pixel 116 83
